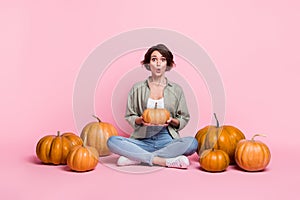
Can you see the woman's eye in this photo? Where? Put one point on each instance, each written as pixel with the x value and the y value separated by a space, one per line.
pixel 153 59
pixel 163 60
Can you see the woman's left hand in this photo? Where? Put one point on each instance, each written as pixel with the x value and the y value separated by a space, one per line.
pixel 173 122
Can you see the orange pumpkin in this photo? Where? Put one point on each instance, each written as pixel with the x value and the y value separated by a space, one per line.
pixel 213 160
pixel 156 115
pixel 252 155
pixel 219 137
pixel 82 158
pixel 55 149
pixel 97 134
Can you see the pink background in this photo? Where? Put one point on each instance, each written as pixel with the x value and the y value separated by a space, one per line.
pixel 254 46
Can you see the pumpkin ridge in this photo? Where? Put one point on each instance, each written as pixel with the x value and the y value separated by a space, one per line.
pixel 50 150
pixel 64 141
pixel 57 149
pixel 226 157
pixel 42 155
pixel 262 158
pixel 50 141
pixel 241 148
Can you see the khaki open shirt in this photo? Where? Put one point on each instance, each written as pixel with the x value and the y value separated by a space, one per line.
pixel 174 102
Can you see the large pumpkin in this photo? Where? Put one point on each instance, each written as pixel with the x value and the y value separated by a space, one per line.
pixel 252 155
pixel 97 134
pixel 54 149
pixel 214 160
pixel 82 158
pixel 219 137
pixel 156 115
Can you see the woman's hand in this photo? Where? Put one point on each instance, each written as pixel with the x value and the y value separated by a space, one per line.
pixel 148 124
pixel 139 120
pixel 173 122
pixel 170 122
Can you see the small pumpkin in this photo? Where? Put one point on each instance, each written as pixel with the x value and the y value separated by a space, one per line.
pixel 82 158
pixel 97 134
pixel 219 137
pixel 54 149
pixel 252 155
pixel 213 160
pixel 156 115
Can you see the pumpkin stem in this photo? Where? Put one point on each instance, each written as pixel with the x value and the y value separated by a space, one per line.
pixel 58 133
pixel 217 120
pixel 263 135
pixel 99 120
pixel 155 107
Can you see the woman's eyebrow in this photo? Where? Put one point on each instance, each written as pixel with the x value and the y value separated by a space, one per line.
pixel 156 56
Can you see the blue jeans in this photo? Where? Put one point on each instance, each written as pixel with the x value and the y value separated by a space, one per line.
pixel 145 149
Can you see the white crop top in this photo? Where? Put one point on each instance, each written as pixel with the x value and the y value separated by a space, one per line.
pixel 151 103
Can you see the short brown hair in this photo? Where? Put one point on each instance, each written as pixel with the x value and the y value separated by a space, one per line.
pixel 164 51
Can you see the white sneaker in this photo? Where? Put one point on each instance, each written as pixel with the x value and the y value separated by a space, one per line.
pixel 178 162
pixel 123 161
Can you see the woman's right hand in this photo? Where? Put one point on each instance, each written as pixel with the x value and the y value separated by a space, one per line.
pixel 139 120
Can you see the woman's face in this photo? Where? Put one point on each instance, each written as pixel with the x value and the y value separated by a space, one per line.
pixel 158 64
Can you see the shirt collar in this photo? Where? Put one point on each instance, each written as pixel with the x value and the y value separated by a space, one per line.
pixel 168 82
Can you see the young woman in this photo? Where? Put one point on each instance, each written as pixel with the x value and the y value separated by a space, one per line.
pixel 155 144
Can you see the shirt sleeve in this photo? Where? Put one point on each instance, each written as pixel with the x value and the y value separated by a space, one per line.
pixel 131 111
pixel 182 113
